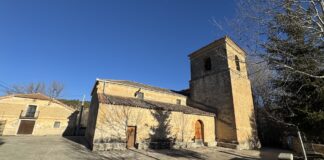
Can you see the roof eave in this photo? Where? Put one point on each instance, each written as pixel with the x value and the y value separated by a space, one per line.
pixel 119 83
pixel 225 39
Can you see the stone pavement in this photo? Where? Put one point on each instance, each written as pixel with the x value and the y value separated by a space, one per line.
pixel 70 148
pixel 42 148
pixel 203 153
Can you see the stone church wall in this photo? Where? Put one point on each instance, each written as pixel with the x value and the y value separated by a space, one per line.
pixel 174 127
pixel 242 99
pixel 212 89
pixel 225 90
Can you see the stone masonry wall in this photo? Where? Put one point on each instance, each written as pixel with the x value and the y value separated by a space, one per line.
pixel 176 126
pixel 242 99
pixel 213 89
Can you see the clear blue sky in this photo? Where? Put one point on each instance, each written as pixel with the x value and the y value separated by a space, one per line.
pixel 77 41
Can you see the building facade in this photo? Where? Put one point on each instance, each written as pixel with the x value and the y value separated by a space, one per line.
pixel 216 109
pixel 124 113
pixel 220 84
pixel 35 114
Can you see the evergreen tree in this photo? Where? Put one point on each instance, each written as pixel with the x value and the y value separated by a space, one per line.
pixel 295 55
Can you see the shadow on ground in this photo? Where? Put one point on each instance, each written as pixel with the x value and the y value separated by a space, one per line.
pixel 79 140
pixel 1 141
pixel 184 153
pixel 143 154
pixel 80 147
pixel 175 153
pixel 239 156
pixel 264 154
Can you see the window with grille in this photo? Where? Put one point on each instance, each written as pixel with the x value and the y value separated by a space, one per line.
pixel 31 110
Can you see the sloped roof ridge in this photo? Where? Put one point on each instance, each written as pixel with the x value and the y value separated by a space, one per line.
pixel 39 96
pixel 141 85
pixel 148 104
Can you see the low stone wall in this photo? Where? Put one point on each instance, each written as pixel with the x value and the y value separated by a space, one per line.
pixel 154 145
pixel 318 148
pixel 179 145
pixel 309 147
pixel 105 146
pixel 175 145
pixel 228 145
pixel 108 146
pixel 294 145
pixel 211 144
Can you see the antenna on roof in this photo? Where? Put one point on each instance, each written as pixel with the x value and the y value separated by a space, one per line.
pixel 83 100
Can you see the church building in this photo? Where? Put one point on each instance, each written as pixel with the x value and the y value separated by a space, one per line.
pixel 217 109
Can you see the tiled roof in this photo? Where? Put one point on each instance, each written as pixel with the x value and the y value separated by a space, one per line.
pixel 134 102
pixel 140 85
pixel 33 96
pixel 38 96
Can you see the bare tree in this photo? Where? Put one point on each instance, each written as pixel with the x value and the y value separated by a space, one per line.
pixel 115 120
pixel 251 27
pixel 182 126
pixel 35 88
pixel 54 90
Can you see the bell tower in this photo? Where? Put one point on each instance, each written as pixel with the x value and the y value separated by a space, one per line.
pixel 220 84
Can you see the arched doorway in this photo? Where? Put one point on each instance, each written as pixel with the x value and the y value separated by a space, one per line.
pixel 199 131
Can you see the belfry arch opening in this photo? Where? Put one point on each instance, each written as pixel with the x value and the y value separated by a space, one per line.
pixel 237 63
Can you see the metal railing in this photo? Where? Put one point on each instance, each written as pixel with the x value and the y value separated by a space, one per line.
pixel 28 115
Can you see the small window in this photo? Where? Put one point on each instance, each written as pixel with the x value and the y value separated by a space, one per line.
pixel 237 63
pixel 208 64
pixel 31 110
pixel 57 124
pixel 139 95
pixel 178 101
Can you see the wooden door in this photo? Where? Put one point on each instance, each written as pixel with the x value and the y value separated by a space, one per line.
pixel 131 135
pixel 199 131
pixel 26 127
pixel 2 126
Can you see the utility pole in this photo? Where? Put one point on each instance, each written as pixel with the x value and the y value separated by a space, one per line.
pixel 80 116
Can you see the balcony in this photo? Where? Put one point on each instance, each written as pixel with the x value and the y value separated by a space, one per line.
pixel 29 115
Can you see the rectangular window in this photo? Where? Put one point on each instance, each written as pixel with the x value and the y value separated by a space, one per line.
pixel 31 110
pixel 57 124
pixel 207 64
pixel 178 101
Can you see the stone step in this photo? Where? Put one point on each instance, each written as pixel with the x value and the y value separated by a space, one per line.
pixel 227 145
